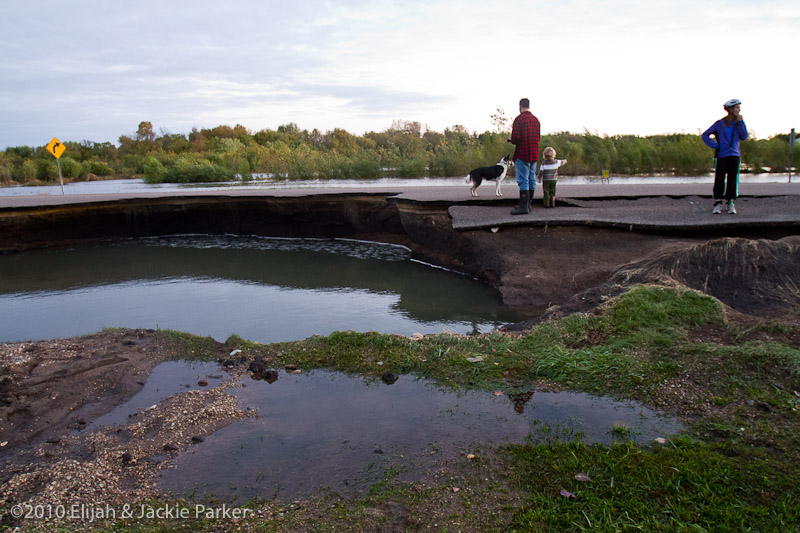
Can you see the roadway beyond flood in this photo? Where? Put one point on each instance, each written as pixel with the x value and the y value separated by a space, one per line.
pixel 650 207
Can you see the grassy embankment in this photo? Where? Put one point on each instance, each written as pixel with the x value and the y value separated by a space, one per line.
pixel 734 469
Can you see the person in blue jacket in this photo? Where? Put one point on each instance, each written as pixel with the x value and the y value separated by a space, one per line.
pixel 728 132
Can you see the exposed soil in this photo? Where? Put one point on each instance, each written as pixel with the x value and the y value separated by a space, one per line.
pixel 755 278
pixel 51 390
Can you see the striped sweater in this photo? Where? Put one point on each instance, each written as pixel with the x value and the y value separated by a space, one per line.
pixel 548 170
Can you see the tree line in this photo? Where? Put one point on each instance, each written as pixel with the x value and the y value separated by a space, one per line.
pixel 405 150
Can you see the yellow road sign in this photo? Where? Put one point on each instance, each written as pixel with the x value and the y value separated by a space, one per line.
pixel 56 148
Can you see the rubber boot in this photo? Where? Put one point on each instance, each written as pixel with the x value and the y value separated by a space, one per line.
pixel 524 207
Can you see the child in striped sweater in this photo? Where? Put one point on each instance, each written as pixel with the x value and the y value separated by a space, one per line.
pixel 548 175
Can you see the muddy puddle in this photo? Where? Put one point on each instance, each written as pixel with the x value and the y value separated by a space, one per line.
pixel 166 379
pixel 324 430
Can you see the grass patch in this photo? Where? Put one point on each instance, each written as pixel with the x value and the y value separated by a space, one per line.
pixel 683 485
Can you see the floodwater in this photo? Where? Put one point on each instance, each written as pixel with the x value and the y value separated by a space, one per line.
pixel 262 289
pixel 137 185
pixel 327 430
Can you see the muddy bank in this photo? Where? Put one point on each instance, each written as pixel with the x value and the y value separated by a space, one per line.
pixel 533 266
pixel 51 391
pixel 759 278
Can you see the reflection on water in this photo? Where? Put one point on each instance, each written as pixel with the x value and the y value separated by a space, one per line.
pixel 327 429
pixel 262 289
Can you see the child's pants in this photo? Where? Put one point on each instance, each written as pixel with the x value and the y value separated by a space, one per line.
pixel 549 191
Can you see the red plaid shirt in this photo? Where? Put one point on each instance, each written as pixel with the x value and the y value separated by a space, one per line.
pixel 525 136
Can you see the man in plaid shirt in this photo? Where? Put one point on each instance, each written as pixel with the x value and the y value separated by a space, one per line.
pixel 525 134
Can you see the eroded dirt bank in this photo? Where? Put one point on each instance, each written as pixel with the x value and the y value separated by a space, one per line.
pixel 534 267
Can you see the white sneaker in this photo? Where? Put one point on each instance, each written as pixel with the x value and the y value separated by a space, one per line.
pixel 731 208
pixel 717 208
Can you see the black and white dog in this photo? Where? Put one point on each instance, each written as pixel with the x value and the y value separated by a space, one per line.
pixel 496 173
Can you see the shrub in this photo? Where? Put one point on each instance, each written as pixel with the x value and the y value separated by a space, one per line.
pixel 70 168
pixel 154 171
pixel 334 166
pixel 243 168
pixel 6 171
pixel 365 166
pixel 189 170
pixel 411 168
pixel 47 169
pixel 303 163
pixel 28 171
pixel 98 168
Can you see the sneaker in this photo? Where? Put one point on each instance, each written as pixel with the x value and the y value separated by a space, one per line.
pixel 717 208
pixel 731 208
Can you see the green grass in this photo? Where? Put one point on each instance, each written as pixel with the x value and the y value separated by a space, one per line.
pixel 685 485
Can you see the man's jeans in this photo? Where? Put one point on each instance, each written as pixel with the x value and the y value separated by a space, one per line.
pixel 526 174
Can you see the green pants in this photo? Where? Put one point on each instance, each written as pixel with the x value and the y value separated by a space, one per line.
pixel 548 191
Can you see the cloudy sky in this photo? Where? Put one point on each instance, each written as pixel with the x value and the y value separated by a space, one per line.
pixel 94 69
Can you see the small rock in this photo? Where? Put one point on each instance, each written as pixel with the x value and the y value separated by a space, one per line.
pixel 202 383
pixel 378 451
pixel 228 363
pixel 170 448
pixel 271 376
pixel 257 367
pixel 127 458
pixel 197 439
pixel 388 377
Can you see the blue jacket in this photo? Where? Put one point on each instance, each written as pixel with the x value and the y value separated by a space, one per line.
pixel 726 142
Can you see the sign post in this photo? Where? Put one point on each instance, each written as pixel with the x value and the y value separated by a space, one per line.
pixel 791 145
pixel 56 148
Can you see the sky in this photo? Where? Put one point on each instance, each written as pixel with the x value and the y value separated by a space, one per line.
pixel 93 70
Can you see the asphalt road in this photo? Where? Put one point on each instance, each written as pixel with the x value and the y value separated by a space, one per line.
pixel 635 206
